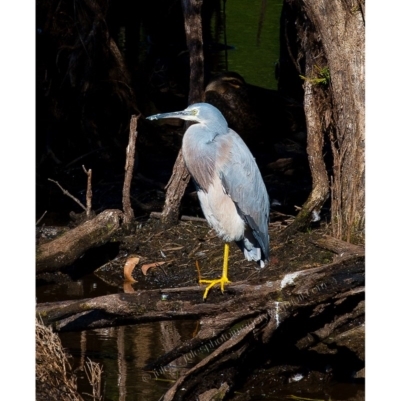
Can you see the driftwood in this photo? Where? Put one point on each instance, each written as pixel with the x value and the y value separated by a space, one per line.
pixel 65 249
pixel 311 304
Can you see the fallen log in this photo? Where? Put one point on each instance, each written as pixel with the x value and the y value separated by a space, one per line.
pixel 67 248
pixel 308 306
pixel 304 287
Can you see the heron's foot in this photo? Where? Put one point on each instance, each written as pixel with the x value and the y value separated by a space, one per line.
pixel 221 281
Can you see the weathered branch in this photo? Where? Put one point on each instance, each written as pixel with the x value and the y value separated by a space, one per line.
pixel 233 348
pixel 88 191
pixel 64 250
pixel 130 161
pixel 318 284
pixel 65 192
pixel 194 39
pixel 338 246
pixel 315 142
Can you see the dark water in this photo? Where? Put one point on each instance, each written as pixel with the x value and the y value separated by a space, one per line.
pixel 121 351
pixel 124 351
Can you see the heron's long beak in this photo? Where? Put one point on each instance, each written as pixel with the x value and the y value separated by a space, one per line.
pixel 183 115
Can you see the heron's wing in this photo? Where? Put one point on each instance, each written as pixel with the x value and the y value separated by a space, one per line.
pixel 242 181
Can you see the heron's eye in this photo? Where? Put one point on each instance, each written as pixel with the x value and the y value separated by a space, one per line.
pixel 195 112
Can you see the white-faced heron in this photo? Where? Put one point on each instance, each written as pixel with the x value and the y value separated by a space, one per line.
pixel 230 188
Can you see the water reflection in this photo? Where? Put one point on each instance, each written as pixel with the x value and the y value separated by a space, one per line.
pixel 123 351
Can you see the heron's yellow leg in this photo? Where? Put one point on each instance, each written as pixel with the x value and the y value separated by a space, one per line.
pixel 224 278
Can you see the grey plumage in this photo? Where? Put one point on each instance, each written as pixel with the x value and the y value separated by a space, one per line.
pixel 231 190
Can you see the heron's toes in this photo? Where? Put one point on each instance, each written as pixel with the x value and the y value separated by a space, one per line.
pixel 221 281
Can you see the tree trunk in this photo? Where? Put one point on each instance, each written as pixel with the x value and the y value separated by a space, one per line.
pixel 340 23
pixel 194 39
pixel 329 44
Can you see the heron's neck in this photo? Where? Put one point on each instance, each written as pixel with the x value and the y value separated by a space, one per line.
pixel 216 127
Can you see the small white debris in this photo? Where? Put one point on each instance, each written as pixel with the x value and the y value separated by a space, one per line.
pixel 275 202
pixel 315 216
pixel 295 378
pixel 277 314
pixel 288 279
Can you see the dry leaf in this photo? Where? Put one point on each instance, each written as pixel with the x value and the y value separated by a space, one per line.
pixel 128 289
pixel 150 265
pixel 130 264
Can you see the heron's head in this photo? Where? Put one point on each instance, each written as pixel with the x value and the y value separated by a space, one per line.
pixel 203 113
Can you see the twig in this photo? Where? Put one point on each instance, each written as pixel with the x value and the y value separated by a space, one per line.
pixel 65 192
pixel 41 217
pixel 198 271
pixel 191 218
pixel 158 215
pixel 130 161
pixel 93 372
pixel 88 190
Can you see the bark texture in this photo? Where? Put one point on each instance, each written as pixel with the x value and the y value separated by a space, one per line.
pixel 341 26
pixel 328 52
pixel 129 164
pixel 65 249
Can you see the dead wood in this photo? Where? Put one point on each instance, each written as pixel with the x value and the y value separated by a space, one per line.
pixel 65 192
pixel 89 192
pixel 315 141
pixel 130 161
pixel 174 191
pixel 341 248
pixel 298 289
pixel 329 298
pixel 41 217
pixel 194 40
pixel 65 249
pixel 158 215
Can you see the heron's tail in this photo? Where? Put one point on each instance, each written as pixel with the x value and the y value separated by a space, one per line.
pixel 252 252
